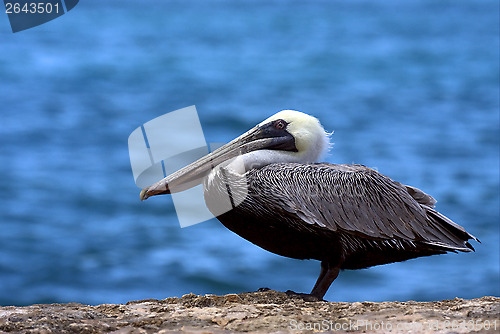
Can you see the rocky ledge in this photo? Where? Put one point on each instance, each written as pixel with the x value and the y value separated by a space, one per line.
pixel 256 312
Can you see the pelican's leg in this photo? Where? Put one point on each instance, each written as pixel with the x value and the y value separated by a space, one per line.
pixel 327 275
pixel 324 269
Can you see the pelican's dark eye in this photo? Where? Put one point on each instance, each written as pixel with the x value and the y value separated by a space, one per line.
pixel 280 124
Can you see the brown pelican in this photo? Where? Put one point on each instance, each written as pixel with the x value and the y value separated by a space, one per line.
pixel 281 199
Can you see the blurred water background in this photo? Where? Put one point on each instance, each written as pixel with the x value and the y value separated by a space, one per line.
pixel 410 87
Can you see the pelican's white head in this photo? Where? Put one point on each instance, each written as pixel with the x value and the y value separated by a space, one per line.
pixel 311 139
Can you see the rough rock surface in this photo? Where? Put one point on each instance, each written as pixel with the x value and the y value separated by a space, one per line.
pixel 256 312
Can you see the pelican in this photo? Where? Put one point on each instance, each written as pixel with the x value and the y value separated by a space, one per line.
pixel 286 202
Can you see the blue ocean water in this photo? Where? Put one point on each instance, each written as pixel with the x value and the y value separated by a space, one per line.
pixel 410 88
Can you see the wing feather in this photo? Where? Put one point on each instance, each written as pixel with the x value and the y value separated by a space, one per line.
pixel 357 200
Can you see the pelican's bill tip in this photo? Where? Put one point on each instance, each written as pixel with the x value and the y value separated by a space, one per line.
pixel 144 194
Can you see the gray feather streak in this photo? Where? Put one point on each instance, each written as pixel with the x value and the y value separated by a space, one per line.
pixel 355 200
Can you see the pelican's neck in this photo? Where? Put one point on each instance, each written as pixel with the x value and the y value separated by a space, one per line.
pixel 261 158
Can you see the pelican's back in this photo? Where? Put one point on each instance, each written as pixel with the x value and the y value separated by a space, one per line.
pixel 347 215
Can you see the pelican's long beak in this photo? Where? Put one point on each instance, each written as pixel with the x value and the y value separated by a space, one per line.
pixel 260 137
